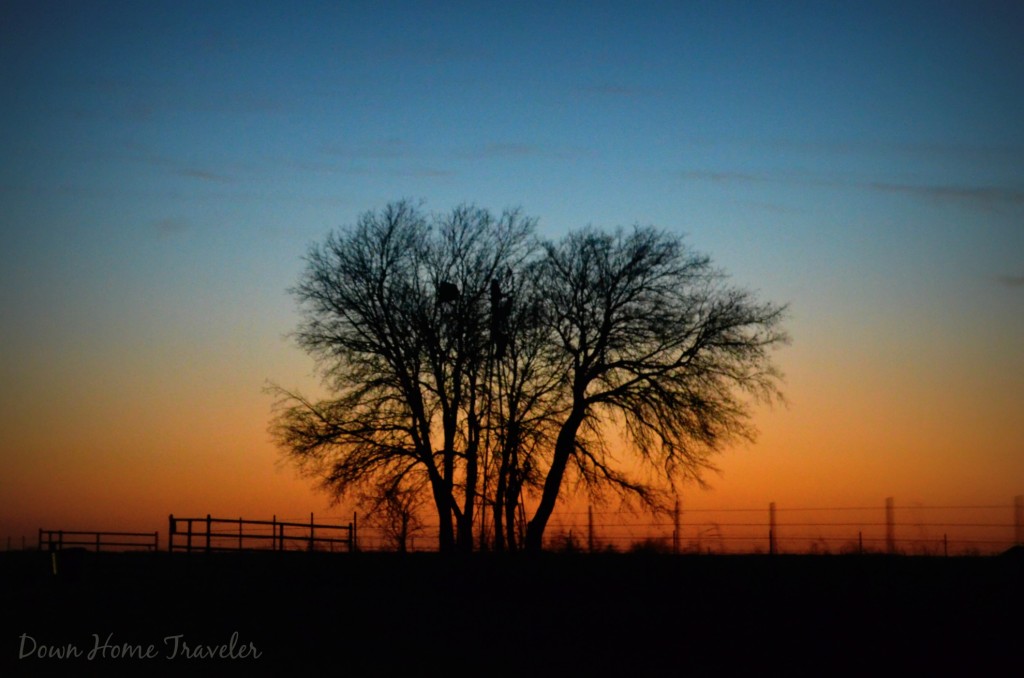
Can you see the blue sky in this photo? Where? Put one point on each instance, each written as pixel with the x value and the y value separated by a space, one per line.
pixel 166 165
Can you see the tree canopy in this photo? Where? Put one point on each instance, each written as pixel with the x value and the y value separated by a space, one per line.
pixel 467 357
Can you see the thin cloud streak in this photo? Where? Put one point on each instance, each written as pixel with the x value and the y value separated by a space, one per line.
pixel 392 157
pixel 399 149
pixel 423 172
pixel 728 177
pixel 507 150
pixel 959 152
pixel 406 172
pixel 1011 281
pixel 389 149
pixel 513 150
pixel 167 228
pixel 978 195
pixel 987 194
pixel 193 173
pixel 141 154
pixel 612 90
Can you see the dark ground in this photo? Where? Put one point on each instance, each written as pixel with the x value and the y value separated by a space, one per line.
pixel 556 614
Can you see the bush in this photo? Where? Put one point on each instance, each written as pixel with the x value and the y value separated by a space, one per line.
pixel 651 545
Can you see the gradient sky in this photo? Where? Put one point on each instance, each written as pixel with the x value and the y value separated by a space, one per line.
pixel 166 165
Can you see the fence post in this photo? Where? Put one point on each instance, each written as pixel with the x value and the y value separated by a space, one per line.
pixel 1018 519
pixel 170 533
pixel 188 541
pixel 590 529
pixel 676 536
pixel 273 533
pixel 890 528
pixel 207 532
pixel 772 534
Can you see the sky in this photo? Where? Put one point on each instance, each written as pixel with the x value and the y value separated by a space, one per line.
pixel 165 166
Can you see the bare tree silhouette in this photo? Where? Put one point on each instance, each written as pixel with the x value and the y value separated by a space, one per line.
pixel 525 401
pixel 466 359
pixel 395 310
pixel 395 508
pixel 653 337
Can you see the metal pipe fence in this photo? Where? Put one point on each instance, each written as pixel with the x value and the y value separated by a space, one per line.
pixel 57 540
pixel 231 534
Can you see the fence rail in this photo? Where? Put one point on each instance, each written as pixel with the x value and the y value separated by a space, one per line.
pixel 885 528
pixel 236 534
pixel 57 540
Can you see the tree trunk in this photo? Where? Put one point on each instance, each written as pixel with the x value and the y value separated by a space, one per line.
pixel 564 446
pixel 465 535
pixel 501 494
pixel 499 498
pixel 511 503
pixel 403 534
pixel 446 535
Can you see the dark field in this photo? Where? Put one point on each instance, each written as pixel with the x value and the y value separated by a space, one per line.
pixel 557 614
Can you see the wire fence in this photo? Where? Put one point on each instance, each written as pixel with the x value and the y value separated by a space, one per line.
pixel 909 529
